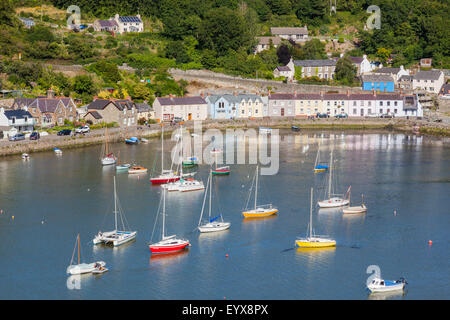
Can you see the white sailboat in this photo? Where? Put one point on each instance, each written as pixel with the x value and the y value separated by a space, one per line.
pixel 182 184
pixel 313 241
pixel 355 209
pixel 334 200
pixel 259 211
pixel 318 167
pixel 167 244
pixel 108 158
pixel 166 175
pixel 81 268
pixel 116 237
pixel 212 224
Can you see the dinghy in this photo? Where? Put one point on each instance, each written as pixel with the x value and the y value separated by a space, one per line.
pixel 81 268
pixel 132 140
pixel 355 209
pixel 137 170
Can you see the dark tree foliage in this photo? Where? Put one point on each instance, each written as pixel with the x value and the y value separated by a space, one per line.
pixel 284 54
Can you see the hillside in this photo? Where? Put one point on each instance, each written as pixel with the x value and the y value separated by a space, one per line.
pixel 218 35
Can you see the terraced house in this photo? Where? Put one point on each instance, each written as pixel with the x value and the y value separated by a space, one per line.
pixel 354 105
pixel 185 108
pixel 324 69
pixel 48 111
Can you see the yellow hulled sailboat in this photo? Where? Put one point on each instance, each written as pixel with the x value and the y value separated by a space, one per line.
pixel 259 211
pixel 313 241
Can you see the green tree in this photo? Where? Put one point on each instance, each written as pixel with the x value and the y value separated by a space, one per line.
pixel 345 71
pixel 314 49
pixel 83 85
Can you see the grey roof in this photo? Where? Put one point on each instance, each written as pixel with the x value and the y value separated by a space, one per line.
pixel 99 104
pixel 334 96
pixel 143 107
pixel 406 78
pixel 231 98
pixel 428 75
pixel 410 102
pixel 387 70
pixel 389 96
pixel 362 96
pixel 292 30
pixel 315 63
pixel 95 114
pixel 124 103
pixel 107 23
pixel 283 68
pixel 18 114
pixel 445 89
pixel 357 59
pixel 181 100
pixel 377 78
pixel 266 40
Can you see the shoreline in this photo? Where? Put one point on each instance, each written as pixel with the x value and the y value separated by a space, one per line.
pixel 405 126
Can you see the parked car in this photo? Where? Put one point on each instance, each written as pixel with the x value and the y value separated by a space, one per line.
pixel 386 115
pixel 177 119
pixel 342 115
pixel 65 132
pixel 17 136
pixel 35 135
pixel 84 129
pixel 323 115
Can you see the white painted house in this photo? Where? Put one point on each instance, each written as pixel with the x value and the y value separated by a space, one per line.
pixel 429 81
pixel 362 65
pixel 129 24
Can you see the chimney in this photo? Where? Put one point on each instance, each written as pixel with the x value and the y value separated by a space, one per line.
pixel 50 94
pixel 348 93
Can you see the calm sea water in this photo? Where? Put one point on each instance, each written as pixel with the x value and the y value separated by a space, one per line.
pixel 405 181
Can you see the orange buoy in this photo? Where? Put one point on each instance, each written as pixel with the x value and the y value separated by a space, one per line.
pixel 226 255
pixel 430 242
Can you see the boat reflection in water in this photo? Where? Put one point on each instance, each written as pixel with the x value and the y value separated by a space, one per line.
pixel 261 220
pixel 168 258
pixel 386 295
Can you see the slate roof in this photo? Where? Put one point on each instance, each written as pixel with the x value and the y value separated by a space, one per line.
pixel 357 60
pixel 107 23
pixel 99 104
pixel 283 30
pixel 18 114
pixel 428 75
pixel 95 114
pixel 387 70
pixel 315 63
pixel 266 40
pixel 181 100
pixel 377 78
pixel 143 107
pixel 283 68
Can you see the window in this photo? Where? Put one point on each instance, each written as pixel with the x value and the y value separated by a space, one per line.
pixel 395 110
pixel 354 103
pixel 381 110
pixel 388 103
pixel 328 103
pixel 395 103
pixel 355 111
pixel 381 103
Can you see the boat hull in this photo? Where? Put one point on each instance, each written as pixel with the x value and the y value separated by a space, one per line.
pixel 214 226
pixel 259 213
pixel 307 243
pixel 131 171
pixel 221 171
pixel 116 238
pixel 167 248
pixel 333 203
pixel 395 287
pixel 354 210
pixel 159 180
pixel 84 267
pixel 108 161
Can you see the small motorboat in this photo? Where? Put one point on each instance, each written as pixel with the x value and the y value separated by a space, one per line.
pixel 123 167
pixel 137 169
pixel 25 156
pixel 380 285
pixel 57 151
pixel 295 128
pixel 100 270
pixel 143 140
pixel 221 171
pixel 190 162
pixel 132 140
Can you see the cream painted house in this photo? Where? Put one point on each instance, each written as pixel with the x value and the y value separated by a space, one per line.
pixel 184 108
pixel 250 106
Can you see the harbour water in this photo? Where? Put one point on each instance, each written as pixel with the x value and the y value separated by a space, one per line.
pixel 405 179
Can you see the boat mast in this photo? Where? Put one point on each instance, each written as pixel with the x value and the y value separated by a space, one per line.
pixel 78 239
pixel 317 156
pixel 310 214
pixel 256 187
pixel 181 163
pixel 115 205
pixel 162 148
pixel 204 198
pixel 329 178
pixel 210 191
pixel 106 141
pixel 164 212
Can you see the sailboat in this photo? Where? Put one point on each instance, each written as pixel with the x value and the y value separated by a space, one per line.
pixel 116 237
pixel 225 170
pixel 167 244
pixel 182 184
pixel 318 167
pixel 258 211
pixel 313 241
pixel 81 268
pixel 166 176
pixel 108 158
pixel 212 224
pixel 122 167
pixel 356 209
pixel 334 200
